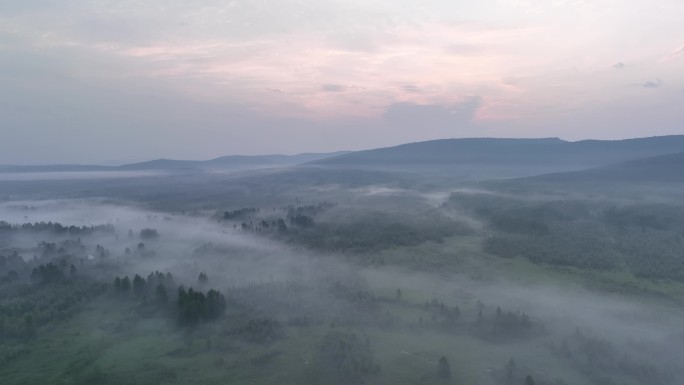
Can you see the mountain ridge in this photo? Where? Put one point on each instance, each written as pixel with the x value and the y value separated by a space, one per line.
pixel 539 155
pixel 175 164
pixel 502 151
pixel 663 168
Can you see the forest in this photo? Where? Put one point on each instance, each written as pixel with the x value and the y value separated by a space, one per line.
pixel 347 285
pixel 324 275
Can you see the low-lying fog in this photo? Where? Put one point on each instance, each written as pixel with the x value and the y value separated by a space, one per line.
pixel 647 331
pixel 240 258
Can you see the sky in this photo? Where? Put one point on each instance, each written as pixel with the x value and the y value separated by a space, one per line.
pixel 98 81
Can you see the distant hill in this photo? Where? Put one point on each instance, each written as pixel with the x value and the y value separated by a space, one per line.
pixel 55 168
pixel 459 159
pixel 659 169
pixel 546 152
pixel 230 162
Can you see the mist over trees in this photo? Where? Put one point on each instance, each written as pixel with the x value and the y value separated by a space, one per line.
pixel 319 274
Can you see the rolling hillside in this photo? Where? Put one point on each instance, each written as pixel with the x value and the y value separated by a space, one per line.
pixel 659 169
pixel 231 161
pixel 547 152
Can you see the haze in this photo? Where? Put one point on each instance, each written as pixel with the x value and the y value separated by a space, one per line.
pixel 120 81
pixel 341 192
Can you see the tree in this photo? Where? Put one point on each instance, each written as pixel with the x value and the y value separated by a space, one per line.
pixel 301 220
pixel 149 234
pixel 202 279
pixel 443 369
pixel 282 227
pixel 46 274
pixel 345 359
pixel 160 294
pixel 182 293
pixel 12 275
pixel 138 285
pixel 529 380
pixel 510 371
pixel 125 284
pixel 216 304
pixel 194 306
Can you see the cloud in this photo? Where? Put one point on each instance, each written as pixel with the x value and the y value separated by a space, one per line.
pixel 332 88
pixel 85 72
pixel 679 51
pixel 652 84
pixel 463 49
pixel 411 89
pixel 434 116
pixel 360 43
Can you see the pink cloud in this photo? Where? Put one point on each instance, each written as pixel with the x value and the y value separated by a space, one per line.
pixel 298 65
pixel 679 51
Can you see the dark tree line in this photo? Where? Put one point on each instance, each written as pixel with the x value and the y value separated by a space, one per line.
pixel 644 239
pixel 53 298
pixel 149 234
pixel 276 225
pixel 303 216
pixel 12 263
pixel 240 213
pixel 191 306
pixel 603 362
pixel 55 228
pixel 443 316
pixel 309 210
pixel 154 284
pixel 195 307
pixel 71 247
pixel 51 273
pixel 301 220
pixel 344 358
pixel 369 231
pixel 376 231
pixel 359 297
pixel 503 326
pixel 259 330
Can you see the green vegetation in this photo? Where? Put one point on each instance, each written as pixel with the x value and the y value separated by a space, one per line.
pixel 643 239
pixel 300 282
pixel 325 227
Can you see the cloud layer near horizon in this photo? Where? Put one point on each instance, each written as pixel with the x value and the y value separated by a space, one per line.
pixel 89 81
